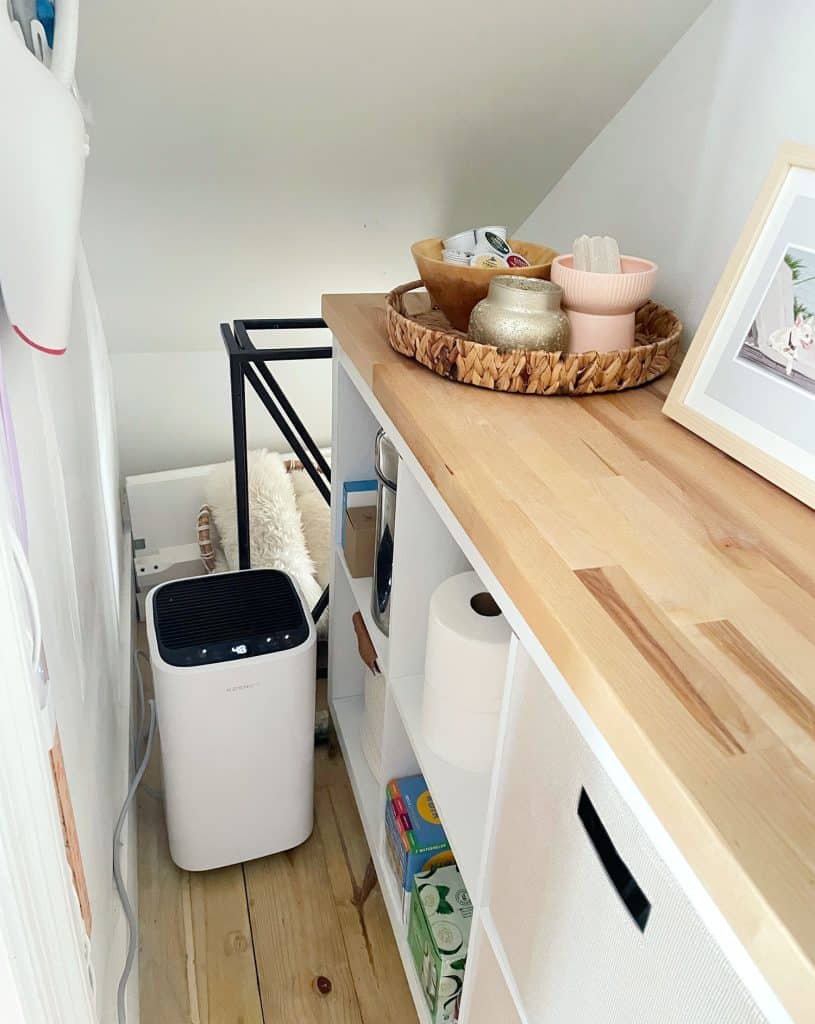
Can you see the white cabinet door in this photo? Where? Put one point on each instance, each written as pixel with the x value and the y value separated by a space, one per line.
pixel 594 926
pixel 490 1001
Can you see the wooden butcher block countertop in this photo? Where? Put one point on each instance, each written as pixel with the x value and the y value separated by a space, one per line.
pixel 674 589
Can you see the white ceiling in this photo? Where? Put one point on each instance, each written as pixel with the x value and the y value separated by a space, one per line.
pixel 247 157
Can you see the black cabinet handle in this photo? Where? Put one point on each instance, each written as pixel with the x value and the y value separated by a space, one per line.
pixel 635 900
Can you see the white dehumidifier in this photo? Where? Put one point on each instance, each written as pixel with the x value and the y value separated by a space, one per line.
pixel 234 659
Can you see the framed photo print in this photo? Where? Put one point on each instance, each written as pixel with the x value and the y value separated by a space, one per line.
pixel 747 383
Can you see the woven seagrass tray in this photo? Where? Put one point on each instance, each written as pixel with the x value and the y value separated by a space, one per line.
pixel 424 334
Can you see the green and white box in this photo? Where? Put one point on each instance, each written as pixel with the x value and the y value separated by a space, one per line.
pixel 438 936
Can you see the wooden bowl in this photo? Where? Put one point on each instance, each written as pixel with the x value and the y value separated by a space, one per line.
pixel 455 290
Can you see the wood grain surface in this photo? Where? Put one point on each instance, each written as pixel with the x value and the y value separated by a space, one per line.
pixel 70 834
pixel 298 939
pixel 674 589
pixel 375 964
pixel 226 984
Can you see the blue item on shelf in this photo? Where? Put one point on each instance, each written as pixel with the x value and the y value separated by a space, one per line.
pixel 45 14
pixel 353 487
pixel 415 838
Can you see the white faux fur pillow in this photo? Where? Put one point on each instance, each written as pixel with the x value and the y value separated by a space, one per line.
pixel 315 516
pixel 275 528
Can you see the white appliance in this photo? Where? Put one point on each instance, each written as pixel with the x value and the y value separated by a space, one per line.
pixel 234 660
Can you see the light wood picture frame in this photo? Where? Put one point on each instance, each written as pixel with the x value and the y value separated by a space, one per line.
pixel 747 383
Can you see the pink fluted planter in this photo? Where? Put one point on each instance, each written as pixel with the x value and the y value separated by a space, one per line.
pixel 601 307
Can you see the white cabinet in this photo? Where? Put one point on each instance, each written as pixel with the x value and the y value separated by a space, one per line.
pixel 578 918
pixel 594 926
pixel 490 1001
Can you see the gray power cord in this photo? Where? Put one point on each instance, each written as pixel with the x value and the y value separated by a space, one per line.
pixel 132 923
pixel 156 794
pixel 139 768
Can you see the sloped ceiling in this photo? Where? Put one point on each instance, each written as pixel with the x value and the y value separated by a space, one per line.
pixel 247 157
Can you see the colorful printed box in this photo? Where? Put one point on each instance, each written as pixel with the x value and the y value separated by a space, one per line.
pixel 439 933
pixel 415 839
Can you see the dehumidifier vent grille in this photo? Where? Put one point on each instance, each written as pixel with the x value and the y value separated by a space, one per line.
pixel 228 616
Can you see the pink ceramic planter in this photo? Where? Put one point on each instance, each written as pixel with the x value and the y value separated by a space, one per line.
pixel 601 307
pixel 608 294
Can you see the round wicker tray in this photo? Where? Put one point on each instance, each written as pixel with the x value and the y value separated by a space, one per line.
pixel 424 334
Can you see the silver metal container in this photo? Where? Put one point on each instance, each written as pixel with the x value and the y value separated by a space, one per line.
pixel 521 312
pixel 386 461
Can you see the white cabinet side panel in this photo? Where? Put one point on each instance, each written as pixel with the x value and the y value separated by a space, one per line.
pixel 565 899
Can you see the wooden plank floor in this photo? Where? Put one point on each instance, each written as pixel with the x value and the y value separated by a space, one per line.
pixel 254 943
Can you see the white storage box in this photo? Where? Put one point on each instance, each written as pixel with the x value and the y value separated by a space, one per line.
pixel 234 658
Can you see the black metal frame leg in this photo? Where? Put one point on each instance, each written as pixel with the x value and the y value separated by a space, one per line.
pixel 249 363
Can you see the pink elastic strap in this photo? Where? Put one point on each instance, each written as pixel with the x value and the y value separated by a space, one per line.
pixel 39 348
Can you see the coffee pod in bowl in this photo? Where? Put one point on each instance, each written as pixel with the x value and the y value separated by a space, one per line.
pixel 516 260
pixel 495 229
pixel 488 260
pixel 461 259
pixel 464 241
pixel 488 241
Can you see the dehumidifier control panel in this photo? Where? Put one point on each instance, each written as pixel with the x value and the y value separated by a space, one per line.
pixel 228 617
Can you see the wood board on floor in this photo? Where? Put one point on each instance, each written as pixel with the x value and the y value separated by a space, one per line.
pixel 196 957
pixel 378 974
pixel 298 941
pixel 164 985
pixel 379 977
pixel 226 984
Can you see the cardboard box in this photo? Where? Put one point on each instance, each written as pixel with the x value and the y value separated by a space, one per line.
pixel 359 540
pixel 440 917
pixel 415 838
pixel 355 493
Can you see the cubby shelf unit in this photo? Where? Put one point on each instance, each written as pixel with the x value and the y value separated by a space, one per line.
pixel 551 922
pixel 361 589
pixel 461 797
pixel 425 554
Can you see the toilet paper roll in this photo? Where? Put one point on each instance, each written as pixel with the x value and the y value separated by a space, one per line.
pixel 467 644
pixel 374 690
pixel 373 722
pixel 465 739
pixel 373 753
pixel 465 666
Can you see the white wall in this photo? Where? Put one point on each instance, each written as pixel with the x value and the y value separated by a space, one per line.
pixel 63 422
pixel 674 175
pixel 248 157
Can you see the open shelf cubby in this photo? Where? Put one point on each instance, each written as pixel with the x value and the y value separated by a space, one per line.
pixel 361 589
pixel 425 554
pixel 460 796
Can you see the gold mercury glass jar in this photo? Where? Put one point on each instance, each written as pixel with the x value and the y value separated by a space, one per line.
pixel 521 312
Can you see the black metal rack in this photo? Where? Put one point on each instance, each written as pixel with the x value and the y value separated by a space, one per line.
pixel 248 363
